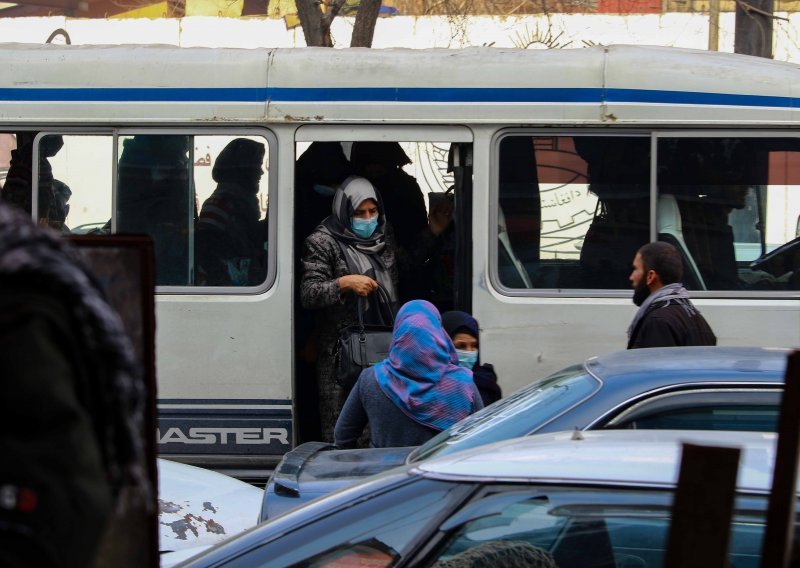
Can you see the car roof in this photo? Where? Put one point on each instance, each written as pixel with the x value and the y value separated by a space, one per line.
pixel 603 457
pixel 673 363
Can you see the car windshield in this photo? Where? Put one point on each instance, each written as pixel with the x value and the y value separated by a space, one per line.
pixel 520 414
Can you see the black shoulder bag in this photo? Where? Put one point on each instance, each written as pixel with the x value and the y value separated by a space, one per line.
pixel 360 346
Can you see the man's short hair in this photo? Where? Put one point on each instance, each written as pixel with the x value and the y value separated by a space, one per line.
pixel 664 259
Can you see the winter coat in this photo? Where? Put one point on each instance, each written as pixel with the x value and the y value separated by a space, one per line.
pixel 52 463
pixel 671 325
pixel 230 239
pixel 323 263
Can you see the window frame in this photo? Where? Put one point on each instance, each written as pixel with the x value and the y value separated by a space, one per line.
pixel 116 132
pixel 655 134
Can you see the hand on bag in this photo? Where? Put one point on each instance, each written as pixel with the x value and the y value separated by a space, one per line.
pixel 358 283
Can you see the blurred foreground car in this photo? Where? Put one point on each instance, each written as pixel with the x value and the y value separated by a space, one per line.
pixel 198 508
pixel 689 388
pixel 597 499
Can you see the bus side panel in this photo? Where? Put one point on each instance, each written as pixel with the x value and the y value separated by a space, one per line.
pixel 224 374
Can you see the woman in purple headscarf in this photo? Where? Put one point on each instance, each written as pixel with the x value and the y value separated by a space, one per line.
pixel 416 392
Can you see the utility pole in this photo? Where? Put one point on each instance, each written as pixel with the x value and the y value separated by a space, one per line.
pixel 754 27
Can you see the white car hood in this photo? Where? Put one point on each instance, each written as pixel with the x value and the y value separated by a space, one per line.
pixel 199 507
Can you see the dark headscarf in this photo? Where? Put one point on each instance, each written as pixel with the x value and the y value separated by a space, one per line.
pixel 240 162
pixel 362 256
pixel 388 154
pixel 460 322
pixel 323 163
pixel 37 258
pixel 421 374
pixel 483 374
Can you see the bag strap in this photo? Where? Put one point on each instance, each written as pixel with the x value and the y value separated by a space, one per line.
pixel 383 297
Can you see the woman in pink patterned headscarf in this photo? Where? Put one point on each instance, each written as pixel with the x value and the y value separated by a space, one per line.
pixel 416 392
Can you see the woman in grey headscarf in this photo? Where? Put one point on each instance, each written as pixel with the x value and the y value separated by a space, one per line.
pixel 348 256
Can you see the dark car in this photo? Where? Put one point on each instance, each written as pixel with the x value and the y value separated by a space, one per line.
pixel 596 499
pixel 697 388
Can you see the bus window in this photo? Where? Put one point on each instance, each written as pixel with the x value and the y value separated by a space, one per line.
pixel 72 193
pixel 80 200
pixel 572 210
pixel 154 197
pixel 203 199
pixel 737 200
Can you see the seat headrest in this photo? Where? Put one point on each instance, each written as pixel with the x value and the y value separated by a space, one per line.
pixel 668 216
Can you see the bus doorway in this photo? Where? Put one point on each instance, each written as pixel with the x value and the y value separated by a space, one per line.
pixel 424 180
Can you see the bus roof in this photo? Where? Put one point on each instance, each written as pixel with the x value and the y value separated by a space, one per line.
pixel 597 85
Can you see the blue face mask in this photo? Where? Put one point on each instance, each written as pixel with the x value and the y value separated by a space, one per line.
pixel 467 359
pixel 364 227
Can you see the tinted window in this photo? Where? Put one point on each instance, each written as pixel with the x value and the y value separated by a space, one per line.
pixel 203 199
pixel 745 418
pixel 729 204
pixel 573 210
pixel 517 415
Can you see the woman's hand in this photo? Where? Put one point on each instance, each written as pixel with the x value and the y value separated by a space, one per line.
pixel 358 283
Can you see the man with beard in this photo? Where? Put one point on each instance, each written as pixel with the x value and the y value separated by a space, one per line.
pixel 666 317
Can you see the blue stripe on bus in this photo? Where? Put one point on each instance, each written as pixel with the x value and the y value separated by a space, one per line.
pixel 436 95
pixel 390 94
pixel 690 98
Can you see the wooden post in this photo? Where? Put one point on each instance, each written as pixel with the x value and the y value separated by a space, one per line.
pixel 703 507
pixel 777 549
pixel 713 25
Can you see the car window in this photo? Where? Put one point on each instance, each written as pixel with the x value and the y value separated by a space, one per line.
pixel 745 418
pixel 753 410
pixel 517 415
pixel 574 530
pixel 376 530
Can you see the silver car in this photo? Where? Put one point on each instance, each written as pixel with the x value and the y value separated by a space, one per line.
pixel 573 500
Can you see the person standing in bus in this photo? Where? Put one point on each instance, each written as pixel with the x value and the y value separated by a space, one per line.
pixel 416 392
pixel 17 188
pixel 382 164
pixel 666 316
pixel 230 232
pixel 346 258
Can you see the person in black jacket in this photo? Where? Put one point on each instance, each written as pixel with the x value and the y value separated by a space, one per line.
pixel 666 316
pixel 463 330
pixel 231 234
pixel 71 404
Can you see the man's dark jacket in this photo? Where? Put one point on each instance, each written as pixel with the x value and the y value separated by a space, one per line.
pixel 671 325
